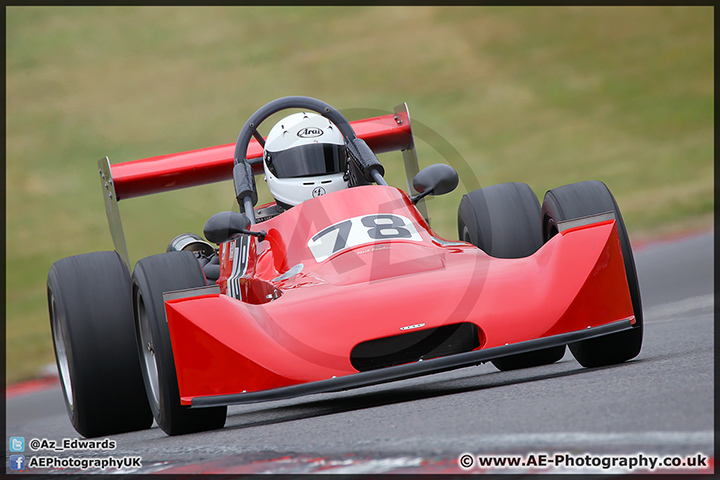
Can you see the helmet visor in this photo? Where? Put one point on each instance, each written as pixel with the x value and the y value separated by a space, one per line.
pixel 307 160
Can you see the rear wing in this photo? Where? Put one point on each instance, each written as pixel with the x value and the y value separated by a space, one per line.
pixel 214 164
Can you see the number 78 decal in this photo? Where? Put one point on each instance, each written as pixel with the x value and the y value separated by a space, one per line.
pixel 360 230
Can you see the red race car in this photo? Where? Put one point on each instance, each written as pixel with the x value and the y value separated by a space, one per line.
pixel 339 283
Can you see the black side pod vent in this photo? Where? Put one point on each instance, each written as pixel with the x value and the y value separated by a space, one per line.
pixel 415 345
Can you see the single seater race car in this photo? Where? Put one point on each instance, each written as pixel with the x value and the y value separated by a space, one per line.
pixel 348 289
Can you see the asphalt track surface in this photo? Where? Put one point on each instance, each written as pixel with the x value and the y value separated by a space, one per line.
pixel 661 403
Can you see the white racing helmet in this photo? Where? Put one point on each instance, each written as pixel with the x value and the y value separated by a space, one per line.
pixel 304 157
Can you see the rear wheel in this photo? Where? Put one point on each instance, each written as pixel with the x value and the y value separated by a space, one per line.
pixel 580 200
pixel 92 328
pixel 152 277
pixel 504 221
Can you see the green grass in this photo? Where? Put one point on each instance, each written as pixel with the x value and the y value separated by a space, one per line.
pixel 541 95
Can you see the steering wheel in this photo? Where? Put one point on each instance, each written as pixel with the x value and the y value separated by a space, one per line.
pixel 243 178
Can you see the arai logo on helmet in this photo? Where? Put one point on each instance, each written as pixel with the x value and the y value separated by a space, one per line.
pixel 310 132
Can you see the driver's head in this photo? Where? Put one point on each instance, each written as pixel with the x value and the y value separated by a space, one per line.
pixel 305 157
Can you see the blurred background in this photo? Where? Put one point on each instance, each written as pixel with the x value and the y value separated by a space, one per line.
pixel 541 95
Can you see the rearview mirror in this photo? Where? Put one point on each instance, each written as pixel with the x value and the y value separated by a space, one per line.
pixel 222 226
pixel 436 179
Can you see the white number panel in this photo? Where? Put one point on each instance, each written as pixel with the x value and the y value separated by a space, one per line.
pixel 360 230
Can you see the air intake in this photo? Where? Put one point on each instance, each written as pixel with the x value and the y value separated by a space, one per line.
pixel 413 346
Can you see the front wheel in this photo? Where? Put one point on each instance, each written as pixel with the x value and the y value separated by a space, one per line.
pixel 152 277
pixel 504 221
pixel 580 200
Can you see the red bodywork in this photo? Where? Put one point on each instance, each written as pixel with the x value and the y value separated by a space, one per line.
pixel 224 346
pixel 362 264
pixel 214 164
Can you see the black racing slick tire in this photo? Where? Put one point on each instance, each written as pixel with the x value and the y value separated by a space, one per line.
pixel 580 200
pixel 91 321
pixel 504 221
pixel 152 277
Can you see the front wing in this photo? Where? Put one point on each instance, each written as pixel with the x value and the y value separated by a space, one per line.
pixel 402 372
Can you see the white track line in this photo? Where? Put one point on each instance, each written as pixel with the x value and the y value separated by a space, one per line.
pixel 568 439
pixel 376 466
pixel 674 309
